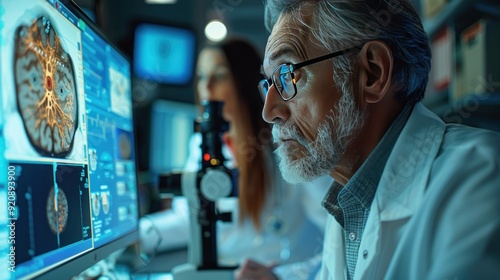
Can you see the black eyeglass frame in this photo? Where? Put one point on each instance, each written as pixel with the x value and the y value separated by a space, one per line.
pixel 293 67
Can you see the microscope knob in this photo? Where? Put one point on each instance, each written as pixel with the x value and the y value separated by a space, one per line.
pixel 216 184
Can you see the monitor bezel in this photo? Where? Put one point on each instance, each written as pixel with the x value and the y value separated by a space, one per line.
pixel 78 264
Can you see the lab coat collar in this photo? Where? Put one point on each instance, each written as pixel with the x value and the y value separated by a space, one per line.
pixel 404 178
pixel 403 181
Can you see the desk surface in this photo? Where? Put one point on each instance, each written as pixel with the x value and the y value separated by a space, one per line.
pixel 164 262
pixel 133 268
pixel 152 276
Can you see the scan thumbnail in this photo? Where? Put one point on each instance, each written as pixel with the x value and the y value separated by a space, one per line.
pixel 125 144
pixel 45 88
pixel 53 207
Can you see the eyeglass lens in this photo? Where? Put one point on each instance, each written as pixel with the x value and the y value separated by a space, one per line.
pixel 283 77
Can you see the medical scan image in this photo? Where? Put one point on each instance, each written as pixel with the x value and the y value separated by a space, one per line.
pixel 57 210
pixel 45 88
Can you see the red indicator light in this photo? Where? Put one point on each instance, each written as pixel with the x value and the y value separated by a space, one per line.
pixel 206 157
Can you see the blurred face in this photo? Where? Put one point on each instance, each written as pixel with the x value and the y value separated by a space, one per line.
pixel 215 81
pixel 313 129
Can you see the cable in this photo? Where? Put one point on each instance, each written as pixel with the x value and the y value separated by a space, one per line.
pixel 146 260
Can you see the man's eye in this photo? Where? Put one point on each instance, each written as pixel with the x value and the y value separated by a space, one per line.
pixel 287 77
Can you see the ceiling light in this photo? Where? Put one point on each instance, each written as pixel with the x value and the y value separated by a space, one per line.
pixel 215 31
pixel 161 1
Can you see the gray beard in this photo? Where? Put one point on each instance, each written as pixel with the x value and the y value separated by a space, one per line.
pixel 323 154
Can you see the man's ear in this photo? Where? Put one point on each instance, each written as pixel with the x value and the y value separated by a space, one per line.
pixel 375 71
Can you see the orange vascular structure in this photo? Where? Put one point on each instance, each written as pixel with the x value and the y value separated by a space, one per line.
pixel 46 91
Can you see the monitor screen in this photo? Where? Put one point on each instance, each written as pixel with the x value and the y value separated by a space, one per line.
pixel 68 190
pixel 172 126
pixel 164 54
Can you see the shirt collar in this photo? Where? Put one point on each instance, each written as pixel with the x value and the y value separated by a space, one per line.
pixel 364 182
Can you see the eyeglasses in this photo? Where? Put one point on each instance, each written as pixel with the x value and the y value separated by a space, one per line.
pixel 283 76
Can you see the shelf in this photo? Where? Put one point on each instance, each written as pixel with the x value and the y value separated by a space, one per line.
pixel 480 110
pixel 456 7
pixel 488 8
pixel 450 11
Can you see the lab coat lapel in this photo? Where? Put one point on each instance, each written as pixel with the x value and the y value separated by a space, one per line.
pixel 407 170
pixel 400 190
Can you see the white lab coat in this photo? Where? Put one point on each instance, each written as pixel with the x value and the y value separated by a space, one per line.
pixel 436 212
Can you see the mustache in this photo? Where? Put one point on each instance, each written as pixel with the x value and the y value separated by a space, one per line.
pixel 289 132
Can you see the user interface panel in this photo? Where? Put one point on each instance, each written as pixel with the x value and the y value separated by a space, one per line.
pixel 68 179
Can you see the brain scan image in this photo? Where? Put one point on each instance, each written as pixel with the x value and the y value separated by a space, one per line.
pixel 96 204
pixel 93 159
pixel 45 87
pixel 57 210
pixel 105 202
pixel 124 146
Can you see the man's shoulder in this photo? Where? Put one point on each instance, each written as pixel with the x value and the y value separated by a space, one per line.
pixel 471 141
pixel 468 159
pixel 469 131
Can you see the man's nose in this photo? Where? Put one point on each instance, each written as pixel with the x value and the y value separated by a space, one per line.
pixel 275 108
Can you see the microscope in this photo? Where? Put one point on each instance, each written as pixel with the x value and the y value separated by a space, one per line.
pixel 202 189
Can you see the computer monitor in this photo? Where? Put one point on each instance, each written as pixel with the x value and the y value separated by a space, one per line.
pixel 164 54
pixel 172 127
pixel 68 188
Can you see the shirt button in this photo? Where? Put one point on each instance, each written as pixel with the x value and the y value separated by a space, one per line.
pixel 365 254
pixel 352 236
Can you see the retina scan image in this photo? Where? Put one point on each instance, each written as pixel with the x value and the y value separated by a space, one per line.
pixel 45 88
